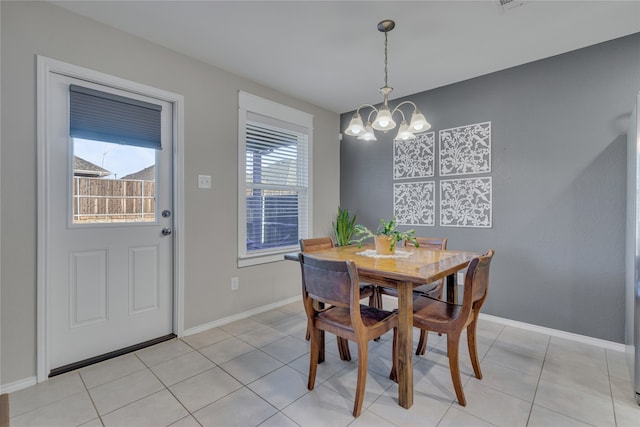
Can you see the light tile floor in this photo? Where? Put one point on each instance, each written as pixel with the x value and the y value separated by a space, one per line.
pixel 253 372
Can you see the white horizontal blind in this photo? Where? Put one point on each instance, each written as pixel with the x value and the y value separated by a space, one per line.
pixel 276 185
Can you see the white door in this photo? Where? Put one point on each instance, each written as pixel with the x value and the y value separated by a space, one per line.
pixel 110 247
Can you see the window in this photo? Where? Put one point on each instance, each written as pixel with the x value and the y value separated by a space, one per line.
pixel 274 179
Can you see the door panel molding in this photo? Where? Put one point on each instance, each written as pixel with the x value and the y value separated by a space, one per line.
pixel 143 279
pixel 45 68
pixel 88 274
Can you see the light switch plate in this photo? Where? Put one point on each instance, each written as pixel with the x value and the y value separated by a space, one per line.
pixel 204 181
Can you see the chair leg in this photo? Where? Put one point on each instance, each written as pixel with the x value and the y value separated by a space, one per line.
pixel 321 347
pixel 318 306
pixel 393 375
pixel 453 341
pixel 473 347
pixel 314 354
pixel 375 300
pixel 421 349
pixel 343 349
pixel 363 353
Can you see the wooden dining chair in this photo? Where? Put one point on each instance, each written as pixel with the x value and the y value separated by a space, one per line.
pixel 321 243
pixel 366 290
pixel 430 314
pixel 336 284
pixel 430 289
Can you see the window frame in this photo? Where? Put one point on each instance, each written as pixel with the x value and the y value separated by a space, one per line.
pixel 253 105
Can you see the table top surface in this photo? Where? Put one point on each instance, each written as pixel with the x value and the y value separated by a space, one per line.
pixel 421 266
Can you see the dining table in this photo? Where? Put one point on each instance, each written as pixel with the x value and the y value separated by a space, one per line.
pixel 405 270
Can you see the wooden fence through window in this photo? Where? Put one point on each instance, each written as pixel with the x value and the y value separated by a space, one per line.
pixel 113 200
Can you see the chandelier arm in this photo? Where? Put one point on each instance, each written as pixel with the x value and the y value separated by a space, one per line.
pixel 366 105
pixel 415 107
pixel 399 110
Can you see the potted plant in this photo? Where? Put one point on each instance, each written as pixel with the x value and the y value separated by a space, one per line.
pixel 344 227
pixel 386 236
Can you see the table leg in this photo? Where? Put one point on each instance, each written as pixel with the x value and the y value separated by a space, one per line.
pixel 452 289
pixel 405 345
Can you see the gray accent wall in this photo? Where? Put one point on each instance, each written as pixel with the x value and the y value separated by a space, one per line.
pixel 210 148
pixel 559 175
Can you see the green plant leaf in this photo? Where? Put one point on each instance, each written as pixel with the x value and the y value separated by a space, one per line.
pixel 344 226
pixel 387 228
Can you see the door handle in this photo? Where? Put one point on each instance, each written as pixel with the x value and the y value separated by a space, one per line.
pixel 166 231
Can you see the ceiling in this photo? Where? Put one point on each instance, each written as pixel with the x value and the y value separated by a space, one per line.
pixel 331 54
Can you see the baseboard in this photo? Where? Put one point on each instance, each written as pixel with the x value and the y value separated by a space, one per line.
pixel 18 385
pixel 239 316
pixel 610 345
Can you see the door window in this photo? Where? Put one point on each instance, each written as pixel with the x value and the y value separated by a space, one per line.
pixel 113 183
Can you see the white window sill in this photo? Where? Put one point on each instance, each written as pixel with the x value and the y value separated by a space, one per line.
pixel 263 259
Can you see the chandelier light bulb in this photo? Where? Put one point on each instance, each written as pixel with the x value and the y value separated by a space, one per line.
pixel 404 133
pixel 356 127
pixel 383 120
pixel 368 134
pixel 418 122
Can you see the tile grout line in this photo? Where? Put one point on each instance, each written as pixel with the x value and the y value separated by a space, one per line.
pixel 172 394
pixel 613 403
pixel 546 352
pixel 90 398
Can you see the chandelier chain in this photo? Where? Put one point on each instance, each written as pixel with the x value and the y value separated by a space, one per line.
pixel 385 60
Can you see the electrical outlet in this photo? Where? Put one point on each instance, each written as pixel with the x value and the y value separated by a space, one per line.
pixel 204 181
pixel 234 284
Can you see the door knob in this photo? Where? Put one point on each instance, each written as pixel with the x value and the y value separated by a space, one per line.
pixel 166 231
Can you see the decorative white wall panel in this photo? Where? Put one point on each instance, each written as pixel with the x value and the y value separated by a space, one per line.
pixel 414 158
pixel 88 287
pixel 466 202
pixel 143 279
pixel 465 150
pixel 414 203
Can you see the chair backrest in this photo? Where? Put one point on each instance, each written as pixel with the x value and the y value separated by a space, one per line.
pixel 476 282
pixel 331 282
pixel 316 244
pixel 431 242
pixel 326 281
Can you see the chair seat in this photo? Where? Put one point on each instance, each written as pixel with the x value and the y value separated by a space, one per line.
pixel 341 317
pixel 435 311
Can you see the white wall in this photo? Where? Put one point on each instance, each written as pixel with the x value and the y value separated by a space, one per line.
pixel 34 28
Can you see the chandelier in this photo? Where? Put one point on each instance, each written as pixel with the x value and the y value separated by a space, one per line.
pixel 383 119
